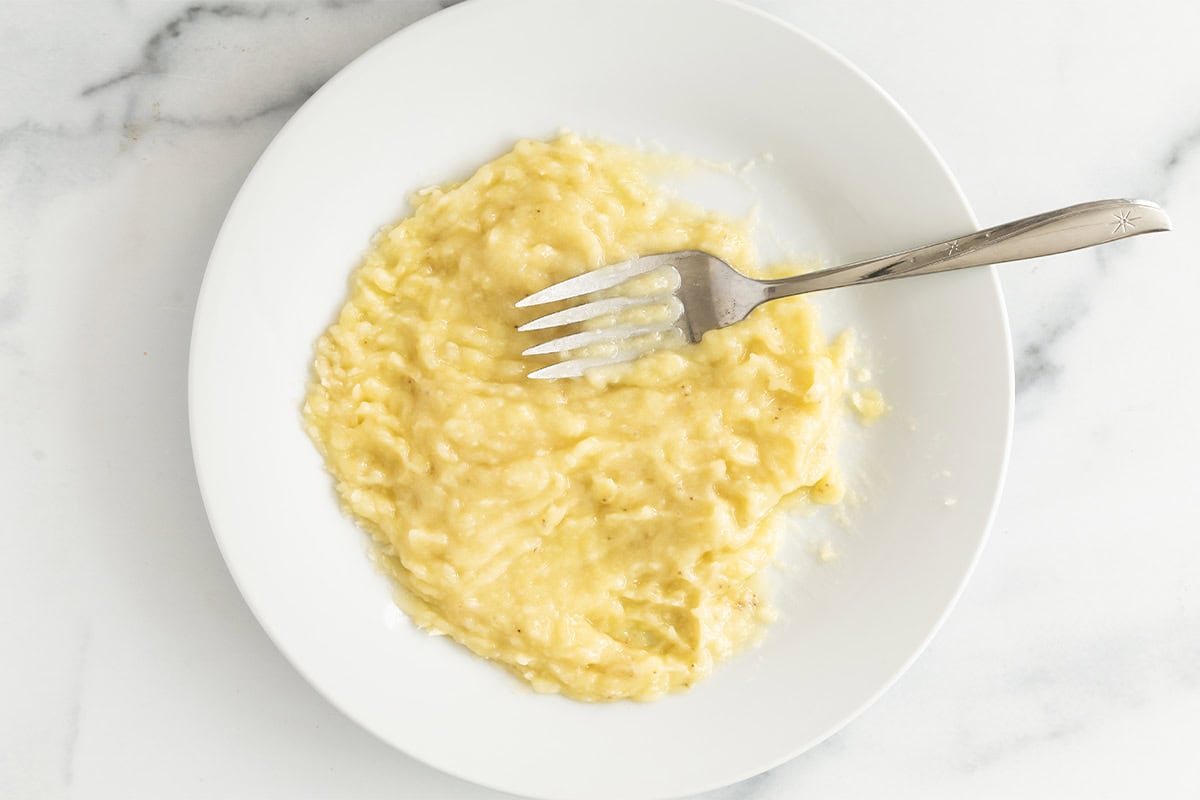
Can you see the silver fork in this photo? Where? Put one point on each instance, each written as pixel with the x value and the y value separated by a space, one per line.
pixel 703 292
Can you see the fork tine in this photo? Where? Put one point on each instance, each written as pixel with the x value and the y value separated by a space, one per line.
pixel 574 341
pixel 597 308
pixel 594 281
pixel 577 366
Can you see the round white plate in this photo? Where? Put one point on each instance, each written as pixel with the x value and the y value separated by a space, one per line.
pixel 850 176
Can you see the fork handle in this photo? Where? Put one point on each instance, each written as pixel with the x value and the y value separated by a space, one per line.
pixel 1070 228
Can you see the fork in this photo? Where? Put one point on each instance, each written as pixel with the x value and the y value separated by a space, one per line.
pixel 699 292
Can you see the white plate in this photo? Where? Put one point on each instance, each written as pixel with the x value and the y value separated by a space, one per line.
pixel 851 177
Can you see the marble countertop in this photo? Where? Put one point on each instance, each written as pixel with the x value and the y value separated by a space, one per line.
pixel 131 667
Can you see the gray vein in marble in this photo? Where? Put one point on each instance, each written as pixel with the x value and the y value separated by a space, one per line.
pixel 132 127
pixel 1180 151
pixel 743 790
pixel 1035 365
pixel 987 755
pixel 29 153
pixel 153 50
pixel 166 56
pixel 153 60
pixel 14 134
pixel 1056 700
pixel 14 299
pixel 751 787
pixel 289 103
pixel 72 738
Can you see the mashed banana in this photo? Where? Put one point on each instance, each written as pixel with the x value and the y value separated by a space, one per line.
pixel 600 537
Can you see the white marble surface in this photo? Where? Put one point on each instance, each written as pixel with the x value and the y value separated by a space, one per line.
pixel 131 668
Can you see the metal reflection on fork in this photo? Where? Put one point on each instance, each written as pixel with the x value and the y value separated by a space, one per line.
pixel 706 293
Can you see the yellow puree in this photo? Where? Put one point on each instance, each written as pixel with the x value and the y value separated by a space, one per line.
pixel 600 537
